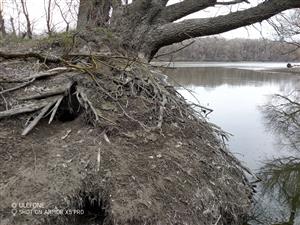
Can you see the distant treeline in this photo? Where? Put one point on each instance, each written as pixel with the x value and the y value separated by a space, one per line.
pixel 221 49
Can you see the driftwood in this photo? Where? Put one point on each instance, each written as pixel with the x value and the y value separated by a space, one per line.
pixel 63 89
pixel 54 110
pixel 39 75
pixel 37 119
pixel 24 108
pixel 18 87
pixel 44 100
pixel 126 96
pixel 20 55
pixel 138 78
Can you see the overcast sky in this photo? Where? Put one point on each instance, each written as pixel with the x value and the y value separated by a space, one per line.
pixel 37 15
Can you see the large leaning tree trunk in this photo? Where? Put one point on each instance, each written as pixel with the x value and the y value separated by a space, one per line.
pixel 147 25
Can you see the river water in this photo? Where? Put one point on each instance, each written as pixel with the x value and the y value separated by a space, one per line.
pixel 235 91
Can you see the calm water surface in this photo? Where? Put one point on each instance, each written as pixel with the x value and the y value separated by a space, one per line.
pixel 235 95
pixel 238 65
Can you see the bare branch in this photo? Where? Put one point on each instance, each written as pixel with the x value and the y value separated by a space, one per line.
pixel 183 8
pixel 232 2
pixel 176 32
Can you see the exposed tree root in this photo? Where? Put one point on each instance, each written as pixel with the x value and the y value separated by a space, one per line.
pixel 104 79
pixel 24 108
pixel 63 89
pixel 38 118
pixel 36 76
pixel 17 87
pixel 130 97
pixel 19 55
pixel 54 110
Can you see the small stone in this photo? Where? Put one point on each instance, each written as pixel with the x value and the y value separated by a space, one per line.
pixel 159 156
pixel 152 137
pixel 179 144
pixel 130 135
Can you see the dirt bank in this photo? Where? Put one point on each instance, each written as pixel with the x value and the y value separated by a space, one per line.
pixel 123 148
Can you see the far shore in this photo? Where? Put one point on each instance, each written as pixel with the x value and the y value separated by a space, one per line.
pixel 272 67
pixel 295 70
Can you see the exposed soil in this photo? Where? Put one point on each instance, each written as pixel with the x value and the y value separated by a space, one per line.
pixel 116 174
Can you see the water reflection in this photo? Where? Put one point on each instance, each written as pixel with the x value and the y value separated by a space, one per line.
pixel 235 95
pixel 281 182
pixel 282 116
pixel 214 77
pixel 281 176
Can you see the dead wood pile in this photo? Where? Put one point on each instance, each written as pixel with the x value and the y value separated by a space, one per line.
pixel 123 95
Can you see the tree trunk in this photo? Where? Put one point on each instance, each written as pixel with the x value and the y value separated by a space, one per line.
pixel 2 24
pixel 93 13
pixel 28 22
pixel 147 25
pixel 12 24
pixel 292 216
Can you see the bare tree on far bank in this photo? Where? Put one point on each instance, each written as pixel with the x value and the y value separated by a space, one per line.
pixel 221 49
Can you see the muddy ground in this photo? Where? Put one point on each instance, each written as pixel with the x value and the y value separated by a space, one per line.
pixel 75 172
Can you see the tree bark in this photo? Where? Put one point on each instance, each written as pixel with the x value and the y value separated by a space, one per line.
pixel 147 25
pixel 28 22
pixel 93 13
pixel 2 23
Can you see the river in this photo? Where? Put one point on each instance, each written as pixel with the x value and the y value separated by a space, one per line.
pixel 235 91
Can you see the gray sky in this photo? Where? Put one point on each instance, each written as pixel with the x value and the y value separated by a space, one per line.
pixel 37 15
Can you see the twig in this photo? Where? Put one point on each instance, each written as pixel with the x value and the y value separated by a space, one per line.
pixel 98 159
pixel 25 108
pixel 37 119
pixel 161 111
pixel 218 220
pixel 18 55
pixel 18 87
pixel 66 135
pixel 6 104
pixel 88 104
pixel 39 75
pixel 175 51
pixel 55 108
pixel 133 119
pixel 55 91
